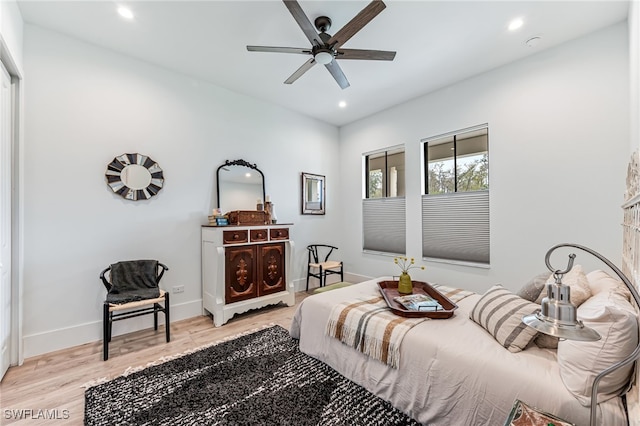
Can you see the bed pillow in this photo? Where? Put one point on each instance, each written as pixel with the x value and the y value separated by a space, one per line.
pixel 544 341
pixel 611 315
pixel 577 281
pixel 536 285
pixel 599 281
pixel 500 312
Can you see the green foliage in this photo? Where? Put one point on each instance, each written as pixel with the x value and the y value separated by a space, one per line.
pixel 375 184
pixel 472 176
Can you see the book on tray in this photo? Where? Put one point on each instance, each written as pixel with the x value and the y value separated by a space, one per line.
pixel 419 302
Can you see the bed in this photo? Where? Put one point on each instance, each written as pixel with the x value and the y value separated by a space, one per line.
pixel 450 371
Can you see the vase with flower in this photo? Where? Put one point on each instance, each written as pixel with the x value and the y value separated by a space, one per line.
pixel 405 286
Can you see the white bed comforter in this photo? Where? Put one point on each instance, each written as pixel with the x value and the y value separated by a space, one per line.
pixel 452 372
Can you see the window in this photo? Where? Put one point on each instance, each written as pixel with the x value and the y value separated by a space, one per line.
pixel 458 163
pixel 383 206
pixel 385 174
pixel 455 207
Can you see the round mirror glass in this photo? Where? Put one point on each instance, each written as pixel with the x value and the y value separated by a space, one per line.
pixel 135 176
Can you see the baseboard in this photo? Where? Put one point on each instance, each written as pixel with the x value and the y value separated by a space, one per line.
pixel 63 338
pixel 356 278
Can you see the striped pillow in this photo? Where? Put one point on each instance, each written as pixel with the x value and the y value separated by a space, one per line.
pixel 500 312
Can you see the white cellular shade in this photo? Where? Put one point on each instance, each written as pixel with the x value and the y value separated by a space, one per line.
pixel 455 226
pixel 384 225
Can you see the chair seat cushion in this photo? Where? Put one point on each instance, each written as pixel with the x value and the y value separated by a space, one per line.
pixel 330 264
pixel 132 296
pixel 115 306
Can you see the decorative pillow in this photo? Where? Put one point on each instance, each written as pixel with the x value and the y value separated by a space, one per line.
pixel 599 281
pixel 544 341
pixel 577 281
pixel 531 290
pixel 500 312
pixel 611 315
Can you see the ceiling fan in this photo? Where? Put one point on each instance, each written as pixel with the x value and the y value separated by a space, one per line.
pixel 325 48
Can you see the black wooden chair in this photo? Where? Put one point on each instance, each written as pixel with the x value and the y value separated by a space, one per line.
pixel 320 266
pixel 133 284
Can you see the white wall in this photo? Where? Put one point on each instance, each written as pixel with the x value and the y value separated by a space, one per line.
pixel 84 106
pixel 558 148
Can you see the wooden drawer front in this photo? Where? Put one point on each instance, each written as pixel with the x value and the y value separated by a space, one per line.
pixel 235 237
pixel 259 235
pixel 279 233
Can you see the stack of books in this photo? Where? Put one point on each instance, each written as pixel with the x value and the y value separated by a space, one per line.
pixel 218 219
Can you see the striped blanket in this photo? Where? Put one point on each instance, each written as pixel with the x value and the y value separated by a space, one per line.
pixel 370 326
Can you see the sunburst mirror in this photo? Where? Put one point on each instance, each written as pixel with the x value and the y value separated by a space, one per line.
pixel 134 176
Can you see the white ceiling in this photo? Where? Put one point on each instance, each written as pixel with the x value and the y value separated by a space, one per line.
pixel 437 42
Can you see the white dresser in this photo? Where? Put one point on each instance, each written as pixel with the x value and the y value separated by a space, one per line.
pixel 245 267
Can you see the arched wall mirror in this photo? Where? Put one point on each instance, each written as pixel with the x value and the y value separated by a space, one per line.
pixel 240 186
pixel 134 177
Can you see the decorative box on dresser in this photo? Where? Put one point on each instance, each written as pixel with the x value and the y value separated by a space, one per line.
pixel 245 267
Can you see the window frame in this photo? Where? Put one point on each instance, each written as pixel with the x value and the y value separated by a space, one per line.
pixel 454 134
pixel 392 150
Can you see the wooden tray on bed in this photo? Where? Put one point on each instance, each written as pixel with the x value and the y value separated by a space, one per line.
pixel 389 290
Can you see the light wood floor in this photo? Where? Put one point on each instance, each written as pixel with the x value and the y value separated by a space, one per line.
pixel 54 381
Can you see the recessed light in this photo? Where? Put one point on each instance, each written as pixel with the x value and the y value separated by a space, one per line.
pixel 248 175
pixel 515 24
pixel 125 12
pixel 342 104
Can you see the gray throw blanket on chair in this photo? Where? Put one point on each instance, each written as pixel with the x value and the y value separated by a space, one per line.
pixel 133 280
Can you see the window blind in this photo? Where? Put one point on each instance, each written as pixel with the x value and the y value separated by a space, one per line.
pixel 384 225
pixel 455 226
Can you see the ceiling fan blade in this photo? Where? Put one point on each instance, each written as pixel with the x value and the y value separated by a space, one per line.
pixel 303 21
pixel 353 26
pixel 372 55
pixel 304 68
pixel 337 73
pixel 279 49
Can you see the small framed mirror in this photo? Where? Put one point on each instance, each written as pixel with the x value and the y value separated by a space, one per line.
pixel 313 194
pixel 134 177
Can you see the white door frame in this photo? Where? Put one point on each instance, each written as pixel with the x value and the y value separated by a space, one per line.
pixel 17 205
pixel 6 213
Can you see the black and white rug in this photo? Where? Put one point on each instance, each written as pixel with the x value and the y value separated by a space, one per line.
pixel 257 379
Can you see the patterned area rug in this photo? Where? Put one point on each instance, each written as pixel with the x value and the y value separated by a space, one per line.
pixel 257 379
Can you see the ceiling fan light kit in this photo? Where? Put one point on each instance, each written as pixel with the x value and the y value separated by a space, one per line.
pixel 323 57
pixel 325 48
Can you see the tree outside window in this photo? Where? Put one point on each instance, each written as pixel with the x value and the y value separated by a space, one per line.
pixel 458 163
